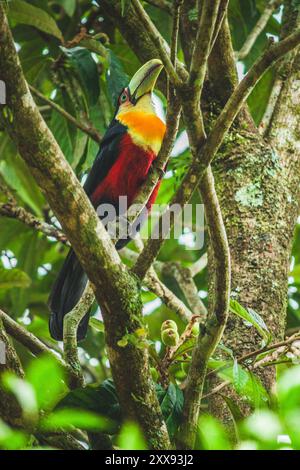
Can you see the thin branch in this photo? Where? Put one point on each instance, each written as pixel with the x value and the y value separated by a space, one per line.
pixel 258 29
pixel 156 286
pixel 13 211
pixel 209 15
pixel 216 389
pixel 248 356
pixel 138 37
pixel 219 22
pixel 89 130
pixel 33 344
pixel 175 30
pixel 199 265
pixel 157 40
pixel 184 278
pixel 277 345
pixel 153 282
pixel 71 323
pixel 215 325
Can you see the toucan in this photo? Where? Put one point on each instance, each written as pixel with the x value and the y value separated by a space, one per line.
pixel 127 151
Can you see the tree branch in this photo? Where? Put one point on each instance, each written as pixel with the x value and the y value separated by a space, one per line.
pixel 209 14
pixel 33 344
pixel 13 211
pixel 215 325
pixel 89 130
pixel 71 323
pixel 116 290
pixel 184 278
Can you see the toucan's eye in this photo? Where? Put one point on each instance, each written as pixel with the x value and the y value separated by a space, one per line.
pixel 123 98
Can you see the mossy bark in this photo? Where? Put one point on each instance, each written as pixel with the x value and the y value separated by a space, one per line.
pixel 10 410
pixel 257 181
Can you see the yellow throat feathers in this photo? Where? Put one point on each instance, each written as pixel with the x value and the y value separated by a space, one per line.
pixel 146 129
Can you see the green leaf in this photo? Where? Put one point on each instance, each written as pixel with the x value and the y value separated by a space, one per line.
pixel 11 439
pixel 131 438
pixel 28 259
pixel 97 324
pixel 239 377
pixel 13 278
pixel 212 434
pixel 86 70
pixel 68 419
pixel 69 6
pixel 252 317
pixel 264 426
pixel 17 175
pixel 102 400
pixel 260 95
pixel 235 411
pixel 245 383
pixel 24 393
pixel 171 403
pixel 116 78
pixel 289 389
pixel 46 377
pixel 25 13
pixel 60 129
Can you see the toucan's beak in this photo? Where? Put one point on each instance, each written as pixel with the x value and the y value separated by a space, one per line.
pixel 145 78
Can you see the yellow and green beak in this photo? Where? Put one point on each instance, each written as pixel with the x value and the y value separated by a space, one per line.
pixel 144 79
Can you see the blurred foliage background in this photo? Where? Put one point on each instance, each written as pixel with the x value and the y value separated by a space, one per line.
pixel 84 78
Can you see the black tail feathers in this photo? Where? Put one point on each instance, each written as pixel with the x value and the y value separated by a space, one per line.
pixel 66 293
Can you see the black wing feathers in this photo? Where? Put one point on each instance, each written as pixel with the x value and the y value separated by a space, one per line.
pixel 71 281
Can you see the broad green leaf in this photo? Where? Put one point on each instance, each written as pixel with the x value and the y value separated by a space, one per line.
pixel 245 383
pixel 289 389
pixel 86 70
pixel 102 400
pixel 28 261
pixel 68 419
pixel 24 393
pixel 239 378
pixel 25 13
pixel 13 278
pixel 60 129
pixel 235 411
pixel 94 45
pixel 97 324
pixel 212 434
pixel 131 438
pixel 116 78
pixel 46 378
pixel 259 96
pixel 11 439
pixel 264 426
pixel 171 403
pixel 69 6
pixel 18 177
pixel 252 317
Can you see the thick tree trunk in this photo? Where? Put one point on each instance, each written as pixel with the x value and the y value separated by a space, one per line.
pixel 257 182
